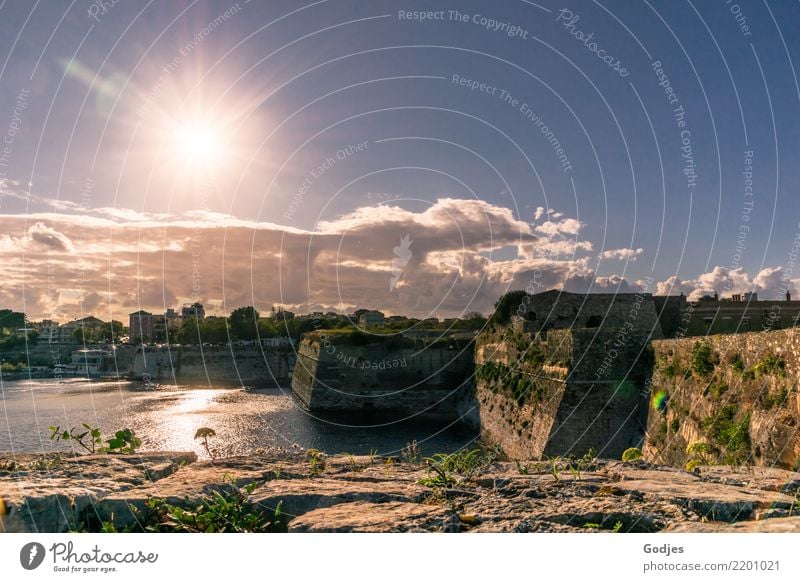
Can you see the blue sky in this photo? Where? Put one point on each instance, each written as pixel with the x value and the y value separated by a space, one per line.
pixel 282 87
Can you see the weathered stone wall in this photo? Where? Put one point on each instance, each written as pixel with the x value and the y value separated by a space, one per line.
pixel 246 365
pixel 736 393
pixel 576 390
pixel 517 400
pixel 562 310
pixel 385 374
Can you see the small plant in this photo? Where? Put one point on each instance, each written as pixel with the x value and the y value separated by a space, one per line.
pixel 123 441
pixel 388 464
pixel 89 439
pixel 737 363
pixel 205 433
pixel 700 453
pixel 373 453
pixel 617 527
pixel 437 478
pixel 443 466
pixel 631 454
pixel 316 460
pixel 230 512
pixel 44 463
pixel 671 368
pixel 554 466
pixel 591 525
pixel 522 469
pixel 410 453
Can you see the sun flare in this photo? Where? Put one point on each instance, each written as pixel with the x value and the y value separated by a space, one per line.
pixel 197 143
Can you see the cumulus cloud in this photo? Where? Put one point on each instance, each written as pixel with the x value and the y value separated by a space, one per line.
pixel 769 283
pixel 621 254
pixel 49 237
pixel 465 254
pixel 115 260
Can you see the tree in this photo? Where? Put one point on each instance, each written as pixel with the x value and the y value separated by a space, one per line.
pixel 214 330
pixel 86 335
pixel 11 319
pixel 268 328
pixel 189 332
pixel 111 331
pixel 507 305
pixel 244 323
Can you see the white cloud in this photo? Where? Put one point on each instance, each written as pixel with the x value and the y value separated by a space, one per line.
pixel 769 283
pixel 621 254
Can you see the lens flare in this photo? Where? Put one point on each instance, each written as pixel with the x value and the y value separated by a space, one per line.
pixel 660 401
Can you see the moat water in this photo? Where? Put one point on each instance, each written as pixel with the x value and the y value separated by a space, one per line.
pixel 167 418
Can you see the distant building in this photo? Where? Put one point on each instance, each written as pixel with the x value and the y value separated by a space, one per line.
pixel 193 310
pixel 371 318
pixel 358 313
pixel 166 326
pixel 90 362
pixel 281 314
pixel 659 315
pixel 65 334
pixel 46 328
pixel 712 315
pixel 140 327
pixel 172 319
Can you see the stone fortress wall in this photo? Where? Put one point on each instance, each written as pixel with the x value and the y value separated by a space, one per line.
pixel 360 373
pixel 564 391
pixel 271 367
pixel 735 393
pixel 554 382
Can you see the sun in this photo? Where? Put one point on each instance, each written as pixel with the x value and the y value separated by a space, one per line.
pixel 198 144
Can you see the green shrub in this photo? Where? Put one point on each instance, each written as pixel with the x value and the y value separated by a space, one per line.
pixel 770 365
pixel 737 363
pixel 717 389
pixel 775 399
pixel 631 454
pixel 702 363
pixel 671 369
pixel 729 434
pixel 699 453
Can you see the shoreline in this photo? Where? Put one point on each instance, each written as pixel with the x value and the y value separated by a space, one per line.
pixel 314 492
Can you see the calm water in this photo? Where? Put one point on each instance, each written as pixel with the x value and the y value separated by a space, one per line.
pixel 167 419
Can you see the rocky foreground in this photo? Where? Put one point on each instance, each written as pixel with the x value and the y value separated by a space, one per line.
pixel 372 494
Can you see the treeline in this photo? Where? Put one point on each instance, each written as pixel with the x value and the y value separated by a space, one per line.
pixel 246 324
